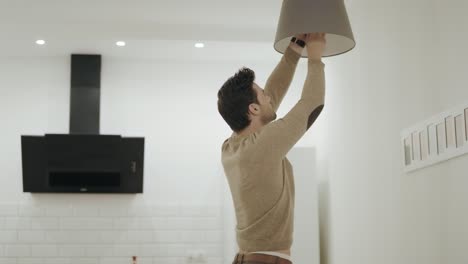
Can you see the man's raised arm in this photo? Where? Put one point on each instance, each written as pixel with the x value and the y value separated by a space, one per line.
pixel 280 79
pixel 278 137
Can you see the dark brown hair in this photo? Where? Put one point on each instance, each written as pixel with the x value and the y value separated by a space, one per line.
pixel 234 98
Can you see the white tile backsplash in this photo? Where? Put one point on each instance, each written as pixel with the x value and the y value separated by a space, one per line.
pixel 72 251
pixel 30 210
pixel 68 234
pixel 17 223
pixel 17 251
pixel 45 223
pixel 8 210
pixel 57 261
pixel 44 250
pixel 8 237
pixel 31 261
pixel 8 260
pixel 84 261
pixel 31 236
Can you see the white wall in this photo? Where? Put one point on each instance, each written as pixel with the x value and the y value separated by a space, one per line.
pixel 374 213
pixel 451 86
pixel 408 65
pixel 306 246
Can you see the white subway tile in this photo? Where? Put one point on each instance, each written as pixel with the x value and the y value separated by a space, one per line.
pixel 84 261
pixel 1 251
pixel 45 223
pixel 72 236
pixel 207 223
pixel 57 260
pixel 2 222
pixel 199 211
pixel 17 251
pixel 31 236
pixel 86 211
pixel 125 260
pixel 153 250
pixel 178 223
pixel 126 251
pixel 8 236
pixel 88 237
pixel 58 237
pixel 8 210
pixel 214 260
pixel 113 211
pixel 30 210
pixel 212 250
pixel 72 251
pixel 143 260
pixel 213 236
pixel 145 223
pixel 8 260
pixel 139 236
pixel 193 236
pixel 140 211
pixel 31 261
pixel 179 260
pixel 88 223
pixel 44 250
pixel 17 223
pixel 99 251
pixel 171 236
pixel 113 237
pixel 115 261
pixel 196 223
pixel 159 222
pixel 125 223
pixel 161 210
pixel 177 250
pixel 64 210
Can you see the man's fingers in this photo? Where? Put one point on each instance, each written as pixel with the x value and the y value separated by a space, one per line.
pixel 301 36
pixel 316 36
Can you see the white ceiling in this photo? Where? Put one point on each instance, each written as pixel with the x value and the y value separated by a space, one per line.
pixel 163 29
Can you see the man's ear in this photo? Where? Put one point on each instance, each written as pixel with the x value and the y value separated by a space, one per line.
pixel 254 109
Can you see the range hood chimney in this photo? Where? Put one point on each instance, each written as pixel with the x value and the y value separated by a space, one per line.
pixel 83 160
pixel 85 94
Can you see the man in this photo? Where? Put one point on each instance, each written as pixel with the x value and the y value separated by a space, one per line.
pixel 260 176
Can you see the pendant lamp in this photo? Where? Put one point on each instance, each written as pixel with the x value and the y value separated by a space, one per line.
pixel 310 16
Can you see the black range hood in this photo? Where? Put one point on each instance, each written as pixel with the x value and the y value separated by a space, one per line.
pixel 84 160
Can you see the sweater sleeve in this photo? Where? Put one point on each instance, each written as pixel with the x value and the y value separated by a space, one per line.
pixel 278 137
pixel 280 79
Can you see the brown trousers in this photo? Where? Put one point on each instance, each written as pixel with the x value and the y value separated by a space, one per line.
pixel 257 258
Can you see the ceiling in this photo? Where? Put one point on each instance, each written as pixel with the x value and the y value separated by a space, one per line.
pixel 161 29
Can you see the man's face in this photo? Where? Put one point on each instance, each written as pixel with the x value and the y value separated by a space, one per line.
pixel 267 114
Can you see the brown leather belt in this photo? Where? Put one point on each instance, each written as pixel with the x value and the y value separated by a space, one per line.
pixel 257 258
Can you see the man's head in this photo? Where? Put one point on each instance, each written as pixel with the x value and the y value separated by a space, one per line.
pixel 241 100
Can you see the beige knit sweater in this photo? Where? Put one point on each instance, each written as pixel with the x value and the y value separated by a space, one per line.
pixel 260 176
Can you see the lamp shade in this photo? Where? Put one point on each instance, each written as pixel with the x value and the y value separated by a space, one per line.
pixel 310 16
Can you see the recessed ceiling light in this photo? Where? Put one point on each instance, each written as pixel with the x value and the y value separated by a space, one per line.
pixel 120 43
pixel 40 42
pixel 199 45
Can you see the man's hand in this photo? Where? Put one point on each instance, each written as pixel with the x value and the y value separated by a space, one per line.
pixel 298 49
pixel 315 43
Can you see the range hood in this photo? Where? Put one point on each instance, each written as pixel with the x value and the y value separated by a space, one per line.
pixel 83 160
